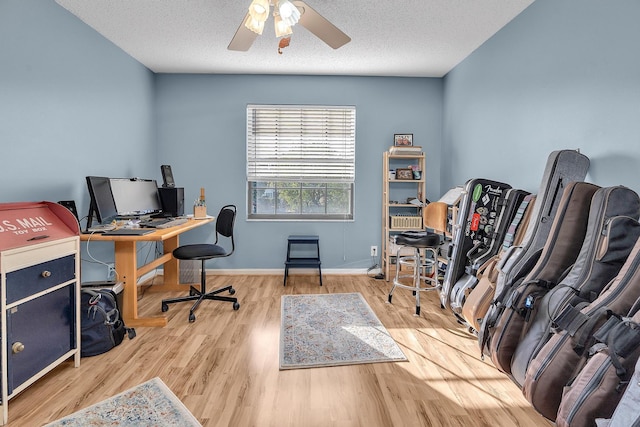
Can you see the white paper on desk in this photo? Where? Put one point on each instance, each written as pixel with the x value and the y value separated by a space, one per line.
pixel 451 196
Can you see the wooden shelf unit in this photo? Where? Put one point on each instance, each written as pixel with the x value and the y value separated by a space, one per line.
pixel 395 207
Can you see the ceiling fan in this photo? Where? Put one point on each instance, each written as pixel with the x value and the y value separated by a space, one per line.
pixel 285 15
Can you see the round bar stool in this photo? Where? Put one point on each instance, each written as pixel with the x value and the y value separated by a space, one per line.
pixel 424 263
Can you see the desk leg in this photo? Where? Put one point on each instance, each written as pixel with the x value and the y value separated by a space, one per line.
pixel 171 274
pixel 126 263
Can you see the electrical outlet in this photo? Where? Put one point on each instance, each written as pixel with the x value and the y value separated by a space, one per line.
pixel 374 251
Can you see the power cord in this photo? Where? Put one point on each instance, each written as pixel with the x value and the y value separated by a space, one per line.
pixel 110 267
pixel 375 266
pixel 144 288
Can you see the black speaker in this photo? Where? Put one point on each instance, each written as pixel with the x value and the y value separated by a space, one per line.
pixel 167 177
pixel 172 200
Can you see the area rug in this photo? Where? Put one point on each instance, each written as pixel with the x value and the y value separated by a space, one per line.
pixel 332 330
pixel 149 404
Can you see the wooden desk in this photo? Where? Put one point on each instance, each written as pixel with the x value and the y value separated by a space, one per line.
pixel 126 264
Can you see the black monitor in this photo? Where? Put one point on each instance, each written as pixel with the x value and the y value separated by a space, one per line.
pixel 102 206
pixel 135 197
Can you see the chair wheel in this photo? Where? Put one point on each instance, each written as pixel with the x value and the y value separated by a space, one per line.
pixel 165 307
pixel 236 306
pixel 390 296
pixel 192 318
pixel 191 292
pixel 232 291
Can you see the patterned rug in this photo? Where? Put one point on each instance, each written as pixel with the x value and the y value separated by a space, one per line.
pixel 332 330
pixel 148 404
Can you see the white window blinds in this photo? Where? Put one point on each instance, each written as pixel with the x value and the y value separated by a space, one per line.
pixel 301 143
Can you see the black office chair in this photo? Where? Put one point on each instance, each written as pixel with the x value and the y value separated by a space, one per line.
pixel 203 252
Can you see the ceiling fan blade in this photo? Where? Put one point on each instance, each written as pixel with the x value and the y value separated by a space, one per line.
pixel 243 38
pixel 320 26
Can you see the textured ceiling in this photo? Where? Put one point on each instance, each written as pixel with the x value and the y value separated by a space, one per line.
pixel 419 38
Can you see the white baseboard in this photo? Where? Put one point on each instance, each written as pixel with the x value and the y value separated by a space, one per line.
pixel 149 276
pixel 269 272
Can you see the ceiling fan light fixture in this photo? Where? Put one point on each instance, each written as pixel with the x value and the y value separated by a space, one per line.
pixel 259 10
pixel 281 28
pixel 288 12
pixel 254 25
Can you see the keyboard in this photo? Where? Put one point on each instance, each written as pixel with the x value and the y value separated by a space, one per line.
pixel 154 222
pixel 127 232
pixel 159 222
pixel 173 223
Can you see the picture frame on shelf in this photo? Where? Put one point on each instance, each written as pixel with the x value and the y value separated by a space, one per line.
pixel 403 140
pixel 404 173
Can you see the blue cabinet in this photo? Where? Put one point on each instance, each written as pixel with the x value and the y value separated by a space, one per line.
pixel 43 330
pixel 40 294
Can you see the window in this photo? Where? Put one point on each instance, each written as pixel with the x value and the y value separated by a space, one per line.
pixel 300 162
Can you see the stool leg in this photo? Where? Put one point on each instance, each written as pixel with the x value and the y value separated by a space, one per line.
pixel 286 264
pixel 319 265
pixel 431 280
pixel 397 276
pixel 417 272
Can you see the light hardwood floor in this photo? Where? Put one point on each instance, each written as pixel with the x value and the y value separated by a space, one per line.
pixel 224 367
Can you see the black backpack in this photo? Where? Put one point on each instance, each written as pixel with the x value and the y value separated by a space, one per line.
pixel 100 323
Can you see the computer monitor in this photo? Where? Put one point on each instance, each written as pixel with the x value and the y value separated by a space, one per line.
pixel 135 197
pixel 102 206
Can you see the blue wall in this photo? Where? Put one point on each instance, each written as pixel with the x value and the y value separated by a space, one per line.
pixel 563 74
pixel 71 104
pixel 201 128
